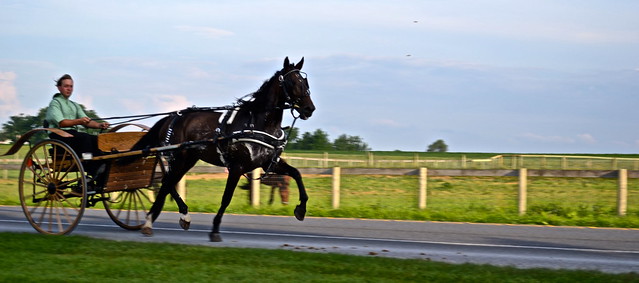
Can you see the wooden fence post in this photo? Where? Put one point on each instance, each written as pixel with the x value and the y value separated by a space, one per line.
pixel 255 187
pixel 336 186
pixel 325 159
pixel 622 192
pixel 523 194
pixel 181 188
pixel 423 182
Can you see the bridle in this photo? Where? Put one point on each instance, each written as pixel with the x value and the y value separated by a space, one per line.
pixel 285 83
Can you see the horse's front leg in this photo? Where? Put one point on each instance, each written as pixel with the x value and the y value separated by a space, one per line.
pixel 284 169
pixel 231 183
pixel 185 218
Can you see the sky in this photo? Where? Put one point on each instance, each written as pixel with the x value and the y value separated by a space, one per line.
pixel 483 75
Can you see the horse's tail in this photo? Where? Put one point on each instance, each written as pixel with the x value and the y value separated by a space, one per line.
pixel 149 140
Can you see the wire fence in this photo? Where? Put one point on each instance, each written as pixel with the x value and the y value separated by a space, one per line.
pixel 552 162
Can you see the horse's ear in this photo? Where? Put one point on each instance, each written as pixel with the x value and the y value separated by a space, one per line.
pixel 286 62
pixel 300 64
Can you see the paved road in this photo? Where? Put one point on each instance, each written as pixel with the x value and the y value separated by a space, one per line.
pixel 608 250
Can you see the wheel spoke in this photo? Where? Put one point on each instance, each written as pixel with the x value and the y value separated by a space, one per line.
pixel 65 209
pixel 58 214
pixel 62 200
pixel 124 197
pixel 142 209
pixel 128 208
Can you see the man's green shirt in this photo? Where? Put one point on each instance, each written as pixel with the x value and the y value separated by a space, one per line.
pixel 62 108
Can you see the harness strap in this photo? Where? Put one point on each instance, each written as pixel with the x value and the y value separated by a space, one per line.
pixel 261 138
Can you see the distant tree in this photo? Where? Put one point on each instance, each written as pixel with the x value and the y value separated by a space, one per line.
pixel 293 138
pixel 438 146
pixel 22 123
pixel 317 140
pixel 350 143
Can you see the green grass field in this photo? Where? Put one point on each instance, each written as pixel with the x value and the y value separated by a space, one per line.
pixel 39 258
pixel 551 201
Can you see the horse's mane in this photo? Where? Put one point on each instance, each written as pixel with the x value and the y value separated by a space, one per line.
pixel 257 99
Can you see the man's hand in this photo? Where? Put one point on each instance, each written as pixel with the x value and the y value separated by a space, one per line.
pixel 84 121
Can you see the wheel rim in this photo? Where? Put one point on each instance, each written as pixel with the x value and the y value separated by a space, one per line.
pixel 52 188
pixel 128 208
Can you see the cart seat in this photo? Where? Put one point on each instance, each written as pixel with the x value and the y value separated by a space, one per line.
pixel 118 141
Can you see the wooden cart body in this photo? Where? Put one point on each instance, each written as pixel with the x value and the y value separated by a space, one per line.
pixel 55 188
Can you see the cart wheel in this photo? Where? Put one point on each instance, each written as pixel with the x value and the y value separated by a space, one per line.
pixel 128 208
pixel 52 188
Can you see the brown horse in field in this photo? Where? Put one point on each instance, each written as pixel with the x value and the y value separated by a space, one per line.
pixel 279 182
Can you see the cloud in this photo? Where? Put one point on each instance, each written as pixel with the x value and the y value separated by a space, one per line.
pixel 132 105
pixel 208 32
pixel 581 138
pixel 9 102
pixel 547 139
pixel 166 103
pixel 587 138
pixel 387 122
pixel 562 24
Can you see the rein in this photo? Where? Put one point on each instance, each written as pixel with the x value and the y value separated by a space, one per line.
pixel 277 144
pixel 178 112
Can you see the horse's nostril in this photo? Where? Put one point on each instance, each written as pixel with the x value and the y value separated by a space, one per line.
pixel 309 110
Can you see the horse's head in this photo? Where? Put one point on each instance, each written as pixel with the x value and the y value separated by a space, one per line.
pixel 296 90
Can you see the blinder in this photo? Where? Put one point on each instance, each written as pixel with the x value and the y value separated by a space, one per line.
pixel 285 83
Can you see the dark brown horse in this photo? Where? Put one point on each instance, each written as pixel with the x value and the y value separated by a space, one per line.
pixel 244 138
pixel 279 182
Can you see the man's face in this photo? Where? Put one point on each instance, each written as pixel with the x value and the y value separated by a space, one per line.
pixel 66 88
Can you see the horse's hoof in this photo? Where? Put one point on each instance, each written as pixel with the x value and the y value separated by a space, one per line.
pixel 215 237
pixel 146 231
pixel 184 224
pixel 300 212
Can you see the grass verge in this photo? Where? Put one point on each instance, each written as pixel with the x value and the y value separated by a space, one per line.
pixel 35 257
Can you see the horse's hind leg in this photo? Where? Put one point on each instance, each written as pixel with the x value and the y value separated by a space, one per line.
pixel 168 187
pixel 156 208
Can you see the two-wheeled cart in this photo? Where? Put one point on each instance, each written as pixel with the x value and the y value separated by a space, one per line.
pixel 55 189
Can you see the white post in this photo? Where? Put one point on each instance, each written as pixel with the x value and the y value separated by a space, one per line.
pixel 336 186
pixel 423 182
pixel 622 192
pixel 523 194
pixel 181 188
pixel 255 187
pixel 325 159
